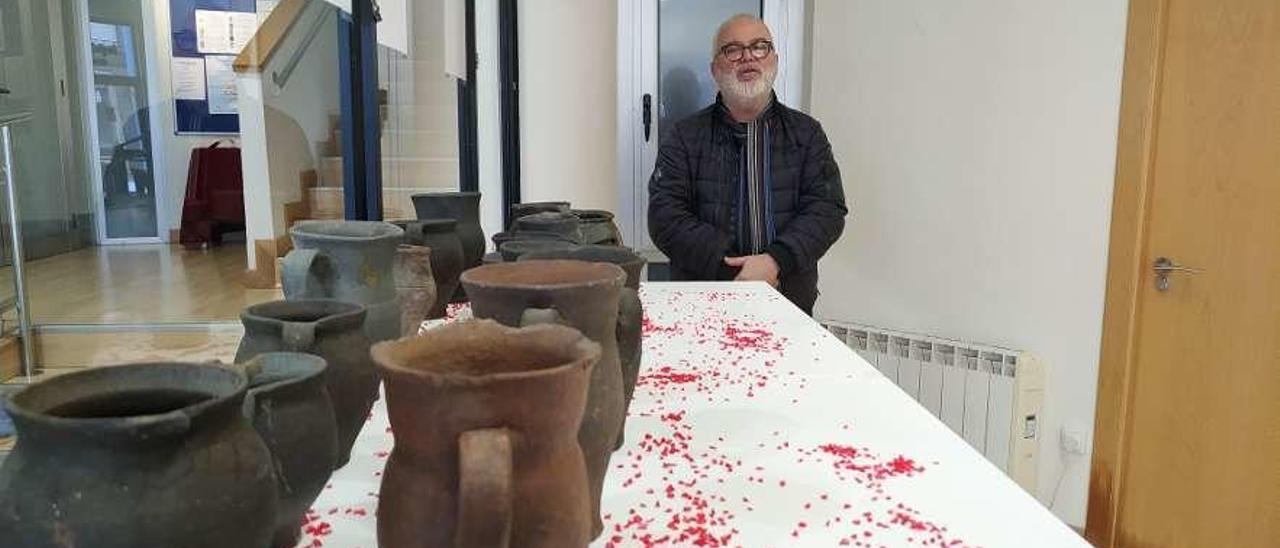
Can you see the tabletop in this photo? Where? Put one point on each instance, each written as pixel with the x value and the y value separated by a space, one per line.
pixel 752 426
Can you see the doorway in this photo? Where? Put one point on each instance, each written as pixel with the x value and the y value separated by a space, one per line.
pixel 114 40
pixel 664 50
pixel 1188 419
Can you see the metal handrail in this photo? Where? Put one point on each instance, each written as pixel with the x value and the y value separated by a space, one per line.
pixel 281 77
pixel 15 236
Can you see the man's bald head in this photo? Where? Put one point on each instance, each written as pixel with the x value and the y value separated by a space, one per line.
pixel 731 26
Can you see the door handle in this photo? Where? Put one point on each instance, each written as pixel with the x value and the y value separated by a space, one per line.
pixel 646 114
pixel 1164 266
pixel 4 90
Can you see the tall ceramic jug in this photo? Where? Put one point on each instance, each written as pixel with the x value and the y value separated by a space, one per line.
pixel 137 455
pixel 486 420
pixel 290 409
pixel 415 285
pixel 348 261
pixel 580 295
pixel 328 329
pixel 630 309
pixel 463 207
pixel 447 260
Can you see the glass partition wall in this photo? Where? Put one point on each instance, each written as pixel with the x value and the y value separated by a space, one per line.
pixel 112 107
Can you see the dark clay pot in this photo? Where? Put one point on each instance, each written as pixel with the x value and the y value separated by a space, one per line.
pixel 514 249
pixel 564 224
pixel 464 208
pixel 137 455
pixel 349 261
pixel 447 259
pixel 529 208
pixel 504 237
pixel 289 407
pixel 486 448
pixel 415 285
pixel 328 329
pixel 630 309
pixel 580 295
pixel 598 227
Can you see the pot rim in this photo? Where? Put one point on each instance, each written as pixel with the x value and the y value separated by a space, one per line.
pixel 461 194
pixel 586 353
pixel 174 421
pixel 391 231
pixel 619 278
pixel 346 314
pixel 634 259
pixel 299 368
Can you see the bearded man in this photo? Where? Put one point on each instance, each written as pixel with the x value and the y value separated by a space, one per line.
pixel 747 189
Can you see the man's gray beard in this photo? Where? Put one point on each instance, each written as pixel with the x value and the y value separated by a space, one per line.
pixel 747 91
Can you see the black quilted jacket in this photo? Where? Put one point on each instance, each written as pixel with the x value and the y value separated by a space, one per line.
pixel 693 197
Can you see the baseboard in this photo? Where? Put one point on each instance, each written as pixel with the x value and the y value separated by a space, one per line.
pixel 265 253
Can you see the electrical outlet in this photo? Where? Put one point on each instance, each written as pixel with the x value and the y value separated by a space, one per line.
pixel 1075 440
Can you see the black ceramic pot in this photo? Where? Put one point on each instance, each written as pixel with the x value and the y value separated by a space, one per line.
pixel 289 407
pixel 137 455
pixel 564 224
pixel 598 227
pixel 328 329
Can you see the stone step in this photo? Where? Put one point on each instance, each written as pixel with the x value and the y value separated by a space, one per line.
pixel 421 117
pixel 326 203
pixel 431 143
pixel 420 143
pixel 397 171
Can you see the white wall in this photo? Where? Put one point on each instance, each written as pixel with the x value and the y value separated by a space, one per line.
pixel 568 101
pixel 977 143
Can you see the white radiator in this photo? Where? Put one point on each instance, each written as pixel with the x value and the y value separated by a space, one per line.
pixel 988 395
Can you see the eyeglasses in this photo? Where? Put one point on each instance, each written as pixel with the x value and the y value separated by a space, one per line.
pixel 735 52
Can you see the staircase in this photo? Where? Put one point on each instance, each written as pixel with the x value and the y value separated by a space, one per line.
pixel 419 143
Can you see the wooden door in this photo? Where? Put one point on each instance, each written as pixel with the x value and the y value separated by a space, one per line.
pixel 1187 449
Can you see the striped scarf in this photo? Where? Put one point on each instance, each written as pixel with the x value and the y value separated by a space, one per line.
pixel 755 207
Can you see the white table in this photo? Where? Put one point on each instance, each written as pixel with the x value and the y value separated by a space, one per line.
pixel 752 426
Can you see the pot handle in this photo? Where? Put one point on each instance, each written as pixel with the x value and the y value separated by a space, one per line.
pixel 485 489
pixel 541 316
pixel 298 336
pixel 305 275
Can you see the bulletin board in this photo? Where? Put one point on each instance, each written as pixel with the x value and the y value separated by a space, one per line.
pixel 207 35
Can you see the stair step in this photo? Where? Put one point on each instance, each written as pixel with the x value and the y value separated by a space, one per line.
pixel 406 172
pixel 326 203
pixel 420 143
pixel 422 117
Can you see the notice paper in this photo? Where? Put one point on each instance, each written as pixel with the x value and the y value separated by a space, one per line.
pixel 213 31
pixel 188 78
pixel 222 84
pixel 224 32
pixel 243 26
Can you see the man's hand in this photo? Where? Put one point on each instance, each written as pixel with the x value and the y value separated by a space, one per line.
pixel 755 268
